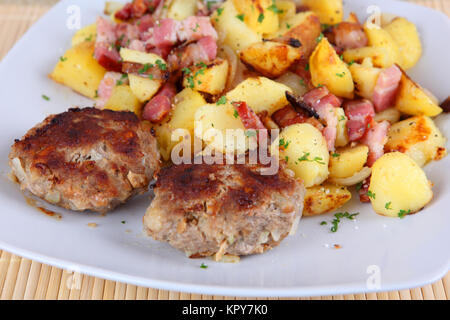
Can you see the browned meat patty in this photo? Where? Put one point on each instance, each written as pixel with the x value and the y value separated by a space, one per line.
pixel 86 159
pixel 223 209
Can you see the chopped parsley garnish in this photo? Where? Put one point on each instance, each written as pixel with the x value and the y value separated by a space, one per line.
pixel 340 75
pixel 319 85
pixel 201 65
pixel 288 26
pixel 122 78
pixel 46 98
pixel 370 194
pixel 274 8
pixel 96 94
pixel 307 67
pixel 342 118
pixel 320 37
pixel 89 38
pixel 403 213
pixel 337 219
pixel 305 156
pixel 186 71
pixel 388 205
pixel 284 143
pixel 359 186
pixel 335 155
pixel 241 17
pixel 261 17
pixel 150 76
pixel 222 100
pixel 302 82
pixel 351 62
pixel 162 66
pixel 203 266
pixel 196 28
pixel 219 11
pixel 62 59
pixel 145 68
pixel 286 158
pixel 325 26
pixel 236 114
pixel 123 222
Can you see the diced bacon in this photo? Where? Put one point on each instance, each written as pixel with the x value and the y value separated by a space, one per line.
pixel 302 70
pixel 145 23
pixel 106 87
pixel 288 116
pixel 375 138
pixel 160 105
pixel 194 28
pixel 160 51
pixel 168 32
pixel 165 33
pixel 324 103
pixel 209 47
pixel 125 13
pixel 140 7
pixel 105 50
pixel 250 120
pixel 137 45
pixel 363 197
pixel 445 105
pixel 204 50
pixel 106 32
pixel 386 88
pixel 349 35
pixel 108 57
pixel 125 33
pixel 360 114
pixel 248 117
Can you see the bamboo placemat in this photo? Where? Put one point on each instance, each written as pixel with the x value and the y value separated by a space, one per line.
pixel 22 278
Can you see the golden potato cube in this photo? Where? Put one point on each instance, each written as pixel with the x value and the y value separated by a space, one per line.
pixel 88 33
pixel 380 56
pixel 286 9
pixel 79 70
pixel 182 116
pixel 305 150
pixel 345 162
pixel 329 11
pixel 212 122
pixel 143 88
pixel 257 15
pixel 135 56
pixel 261 94
pixel 123 99
pixel 419 138
pixel 236 34
pixel 329 70
pixel 365 78
pixel 407 37
pixel 412 99
pixel 209 78
pixel 324 198
pixel 271 59
pixel 398 186
pixel 182 9
pixel 303 26
pixel 380 38
pixel 341 130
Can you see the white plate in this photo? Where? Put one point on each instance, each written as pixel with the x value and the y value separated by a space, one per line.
pixel 407 253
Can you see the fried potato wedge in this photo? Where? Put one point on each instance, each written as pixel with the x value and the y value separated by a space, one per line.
pixel 271 59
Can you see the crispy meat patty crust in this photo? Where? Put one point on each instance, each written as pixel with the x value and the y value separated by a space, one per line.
pixel 86 159
pixel 223 209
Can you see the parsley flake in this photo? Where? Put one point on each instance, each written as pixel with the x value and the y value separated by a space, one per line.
pixel 222 100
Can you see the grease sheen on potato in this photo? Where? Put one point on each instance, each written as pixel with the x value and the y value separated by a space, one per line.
pixel 398 186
